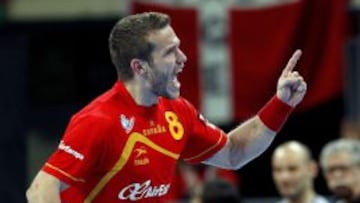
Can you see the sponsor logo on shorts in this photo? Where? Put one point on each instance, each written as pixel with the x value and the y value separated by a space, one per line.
pixel 137 191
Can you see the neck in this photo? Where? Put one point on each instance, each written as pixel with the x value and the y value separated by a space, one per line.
pixel 354 199
pixel 141 94
pixel 307 197
pixel 356 194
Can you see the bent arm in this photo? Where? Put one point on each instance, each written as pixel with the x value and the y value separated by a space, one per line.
pixel 253 137
pixel 244 143
pixel 45 188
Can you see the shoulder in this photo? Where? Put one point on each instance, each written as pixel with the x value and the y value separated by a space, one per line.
pixel 98 117
pixel 103 107
pixel 89 130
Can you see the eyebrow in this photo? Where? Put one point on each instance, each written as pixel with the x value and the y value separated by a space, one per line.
pixel 169 49
pixel 172 47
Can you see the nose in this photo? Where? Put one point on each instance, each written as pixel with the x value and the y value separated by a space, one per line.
pixel 181 57
pixel 284 176
pixel 337 174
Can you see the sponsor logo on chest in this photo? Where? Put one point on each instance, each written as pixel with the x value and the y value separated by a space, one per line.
pixel 137 191
pixel 141 158
pixel 171 124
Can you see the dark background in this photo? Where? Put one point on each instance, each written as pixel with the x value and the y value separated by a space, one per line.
pixel 69 63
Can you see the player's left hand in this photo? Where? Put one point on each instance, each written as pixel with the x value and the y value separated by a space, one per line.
pixel 291 87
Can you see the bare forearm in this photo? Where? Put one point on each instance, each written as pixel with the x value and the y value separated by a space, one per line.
pixel 249 132
pixel 245 143
pixel 248 141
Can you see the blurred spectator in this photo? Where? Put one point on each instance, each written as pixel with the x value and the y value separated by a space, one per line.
pixel 350 129
pixel 340 162
pixel 216 191
pixel 189 180
pixel 294 171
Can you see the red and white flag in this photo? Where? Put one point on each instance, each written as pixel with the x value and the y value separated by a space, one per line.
pixel 233 66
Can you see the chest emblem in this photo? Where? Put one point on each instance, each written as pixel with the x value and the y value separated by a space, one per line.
pixel 141 157
pixel 140 151
pixel 127 123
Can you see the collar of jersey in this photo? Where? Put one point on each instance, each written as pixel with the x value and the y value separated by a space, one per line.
pixel 119 87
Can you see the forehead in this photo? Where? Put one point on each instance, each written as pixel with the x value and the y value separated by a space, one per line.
pixel 286 156
pixel 338 158
pixel 163 38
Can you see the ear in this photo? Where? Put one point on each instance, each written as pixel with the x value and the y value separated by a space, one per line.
pixel 137 66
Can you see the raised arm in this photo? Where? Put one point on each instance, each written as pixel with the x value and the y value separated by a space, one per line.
pixel 45 188
pixel 251 138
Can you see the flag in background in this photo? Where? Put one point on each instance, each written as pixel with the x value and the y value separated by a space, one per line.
pixel 260 41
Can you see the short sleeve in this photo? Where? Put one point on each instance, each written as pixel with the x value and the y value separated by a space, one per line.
pixel 79 152
pixel 204 138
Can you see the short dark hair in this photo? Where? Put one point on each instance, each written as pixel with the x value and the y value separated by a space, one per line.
pixel 128 40
pixel 219 190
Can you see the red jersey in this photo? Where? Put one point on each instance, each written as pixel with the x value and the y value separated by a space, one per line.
pixel 114 150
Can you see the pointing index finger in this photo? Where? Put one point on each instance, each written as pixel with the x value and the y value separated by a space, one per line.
pixel 292 62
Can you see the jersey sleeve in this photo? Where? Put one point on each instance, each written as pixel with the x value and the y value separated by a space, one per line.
pixel 79 152
pixel 204 138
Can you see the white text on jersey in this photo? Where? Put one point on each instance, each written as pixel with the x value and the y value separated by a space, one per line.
pixel 69 150
pixel 137 191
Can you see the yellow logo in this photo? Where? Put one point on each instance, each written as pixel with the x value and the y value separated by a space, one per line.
pixel 142 162
pixel 155 129
pixel 140 158
pixel 140 151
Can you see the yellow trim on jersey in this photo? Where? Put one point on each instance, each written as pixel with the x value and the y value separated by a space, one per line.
pixel 123 159
pixel 64 173
pixel 205 151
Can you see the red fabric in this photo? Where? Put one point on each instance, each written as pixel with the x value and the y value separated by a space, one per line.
pixel 138 146
pixel 205 139
pixel 178 188
pixel 275 113
pixel 185 23
pixel 80 149
pixel 262 40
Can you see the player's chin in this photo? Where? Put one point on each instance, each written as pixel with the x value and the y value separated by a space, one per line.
pixel 172 92
pixel 342 191
pixel 289 194
pixel 286 191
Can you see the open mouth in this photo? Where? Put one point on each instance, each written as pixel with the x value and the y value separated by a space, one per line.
pixel 175 81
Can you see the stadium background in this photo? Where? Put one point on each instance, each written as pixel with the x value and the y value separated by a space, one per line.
pixel 54 59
